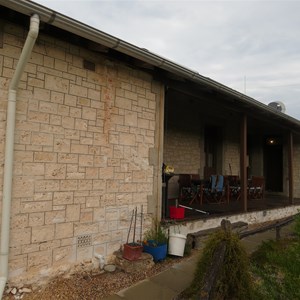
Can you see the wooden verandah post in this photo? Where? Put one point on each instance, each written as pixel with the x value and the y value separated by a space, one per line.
pixel 290 165
pixel 243 161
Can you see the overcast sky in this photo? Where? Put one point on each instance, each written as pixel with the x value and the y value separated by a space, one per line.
pixel 250 46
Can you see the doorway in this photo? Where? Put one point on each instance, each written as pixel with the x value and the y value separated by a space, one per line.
pixel 212 150
pixel 273 164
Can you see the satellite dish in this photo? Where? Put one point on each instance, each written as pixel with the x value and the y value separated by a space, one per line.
pixel 277 105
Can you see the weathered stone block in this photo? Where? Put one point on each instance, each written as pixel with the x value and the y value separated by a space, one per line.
pixel 86 216
pixel 68 122
pixel 42 139
pixel 80 229
pixel 85 253
pixel 64 230
pixel 57 216
pixel 92 201
pixel 20 237
pixel 55 83
pixel 45 157
pixel 37 206
pixel 111 214
pixel 62 198
pixel 101 238
pixel 67 158
pixel 81 149
pixel 46 185
pixel 17 265
pixel 19 221
pixel 78 90
pixel 86 160
pixel 81 124
pixel 39 260
pixel 42 233
pixel 23 187
pixel 92 173
pixel 68 185
pixel 89 113
pixel 64 255
pixel 72 213
pixel 36 219
pixel 99 214
pixel 127 139
pixel 123 103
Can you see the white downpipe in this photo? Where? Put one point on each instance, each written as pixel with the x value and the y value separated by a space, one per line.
pixel 9 148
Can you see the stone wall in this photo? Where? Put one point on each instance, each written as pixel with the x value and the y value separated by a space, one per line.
pixel 81 153
pixel 231 149
pixel 182 151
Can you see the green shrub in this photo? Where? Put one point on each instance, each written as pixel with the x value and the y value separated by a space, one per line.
pixel 297 225
pixel 157 233
pixel 233 280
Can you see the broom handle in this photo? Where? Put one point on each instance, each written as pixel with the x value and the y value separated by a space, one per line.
pixel 134 225
pixel 141 235
pixel 130 226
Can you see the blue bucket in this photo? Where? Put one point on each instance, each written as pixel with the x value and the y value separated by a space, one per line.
pixel 158 251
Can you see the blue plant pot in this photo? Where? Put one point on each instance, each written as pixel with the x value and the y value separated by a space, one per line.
pixel 158 251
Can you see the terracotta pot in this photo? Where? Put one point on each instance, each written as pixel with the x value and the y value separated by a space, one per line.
pixel 132 251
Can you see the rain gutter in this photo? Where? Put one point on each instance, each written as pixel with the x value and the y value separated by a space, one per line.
pixel 9 148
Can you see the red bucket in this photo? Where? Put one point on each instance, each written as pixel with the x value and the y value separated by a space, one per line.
pixel 176 212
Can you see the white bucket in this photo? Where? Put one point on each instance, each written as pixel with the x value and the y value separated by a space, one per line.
pixel 176 244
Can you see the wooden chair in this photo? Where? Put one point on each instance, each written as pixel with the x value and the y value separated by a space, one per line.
pixel 234 187
pixel 256 189
pixel 188 187
pixel 185 187
pixel 196 185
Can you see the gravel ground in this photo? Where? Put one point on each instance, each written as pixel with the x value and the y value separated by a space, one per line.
pixel 95 286
pixel 85 286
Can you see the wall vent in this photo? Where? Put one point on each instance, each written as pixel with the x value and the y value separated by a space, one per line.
pixel 89 65
pixel 84 241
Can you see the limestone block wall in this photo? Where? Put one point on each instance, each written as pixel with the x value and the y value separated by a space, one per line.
pixel 182 134
pixel 81 154
pixel 182 151
pixel 231 149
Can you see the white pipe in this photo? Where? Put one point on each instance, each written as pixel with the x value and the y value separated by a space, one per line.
pixel 9 148
pixel 101 260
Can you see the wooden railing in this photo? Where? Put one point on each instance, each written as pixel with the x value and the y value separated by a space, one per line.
pixel 216 264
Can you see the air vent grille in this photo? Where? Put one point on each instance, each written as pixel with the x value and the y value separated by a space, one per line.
pixel 84 241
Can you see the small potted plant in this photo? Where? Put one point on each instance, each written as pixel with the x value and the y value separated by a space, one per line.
pixel 155 242
pixel 133 250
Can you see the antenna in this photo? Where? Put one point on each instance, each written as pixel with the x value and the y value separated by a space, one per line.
pixel 277 105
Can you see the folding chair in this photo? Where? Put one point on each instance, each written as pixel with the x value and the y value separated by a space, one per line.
pixel 256 189
pixel 187 188
pixel 215 191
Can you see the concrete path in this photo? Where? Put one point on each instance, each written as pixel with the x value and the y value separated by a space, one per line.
pixel 168 284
